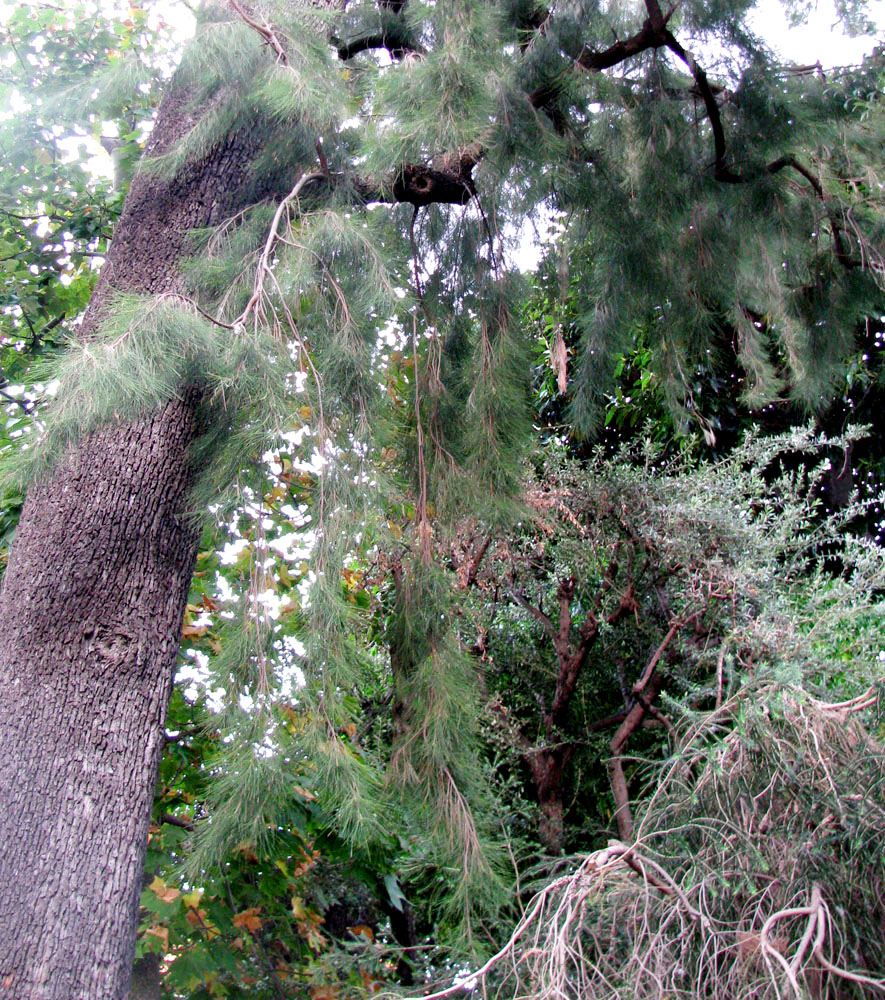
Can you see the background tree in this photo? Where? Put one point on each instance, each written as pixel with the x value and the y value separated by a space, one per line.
pixel 315 256
pixel 57 214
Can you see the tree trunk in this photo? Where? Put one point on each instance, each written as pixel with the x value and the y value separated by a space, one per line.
pixel 146 983
pixel 91 605
pixel 548 766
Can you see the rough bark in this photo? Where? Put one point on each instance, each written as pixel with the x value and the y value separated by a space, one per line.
pixel 548 765
pixel 92 603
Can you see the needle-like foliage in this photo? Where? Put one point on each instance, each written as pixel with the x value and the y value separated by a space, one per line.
pixel 365 312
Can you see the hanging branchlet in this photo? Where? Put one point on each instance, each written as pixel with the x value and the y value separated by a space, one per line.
pixel 362 300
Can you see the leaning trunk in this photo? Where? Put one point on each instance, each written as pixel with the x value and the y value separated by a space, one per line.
pixel 91 605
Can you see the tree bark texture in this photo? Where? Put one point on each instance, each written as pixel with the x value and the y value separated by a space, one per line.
pixel 91 605
pixel 548 765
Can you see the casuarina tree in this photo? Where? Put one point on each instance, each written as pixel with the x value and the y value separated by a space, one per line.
pixel 322 240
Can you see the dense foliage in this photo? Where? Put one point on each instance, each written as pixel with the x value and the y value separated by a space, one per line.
pixel 439 642
pixel 76 80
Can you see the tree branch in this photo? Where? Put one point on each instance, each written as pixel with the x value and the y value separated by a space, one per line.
pixel 265 30
pixel 620 791
pixel 537 613
pixel 721 170
pixel 648 37
pixel 26 406
pixel 570 666
pixel 646 675
pixel 842 254
pixel 469 567
pixel 390 37
pixel 184 824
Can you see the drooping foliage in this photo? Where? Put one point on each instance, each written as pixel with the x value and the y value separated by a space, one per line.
pixel 77 80
pixel 719 638
pixel 362 345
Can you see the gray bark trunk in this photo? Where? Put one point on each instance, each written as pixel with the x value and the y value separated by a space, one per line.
pixel 91 605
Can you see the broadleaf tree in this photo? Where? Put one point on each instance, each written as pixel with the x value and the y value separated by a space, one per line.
pixel 319 251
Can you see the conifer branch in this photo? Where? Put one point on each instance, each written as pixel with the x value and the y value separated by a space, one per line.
pixel 842 253
pixel 196 308
pixel 265 30
pixel 391 38
pixel 723 172
pixel 270 243
pixel 424 533
pixel 392 33
pixel 649 36
pixel 446 180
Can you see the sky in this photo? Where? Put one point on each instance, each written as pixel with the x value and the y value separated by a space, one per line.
pixel 817 39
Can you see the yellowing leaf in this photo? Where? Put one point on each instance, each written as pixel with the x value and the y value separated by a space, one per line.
pixel 248 919
pixel 162 891
pixel 192 899
pixel 158 931
pixel 298 908
pixel 315 940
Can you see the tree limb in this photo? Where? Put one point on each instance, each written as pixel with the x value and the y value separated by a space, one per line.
pixel 620 791
pixel 184 824
pixel 842 254
pixel 721 170
pixel 537 613
pixel 570 665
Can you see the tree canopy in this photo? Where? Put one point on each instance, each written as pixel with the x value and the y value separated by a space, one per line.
pixel 469 599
